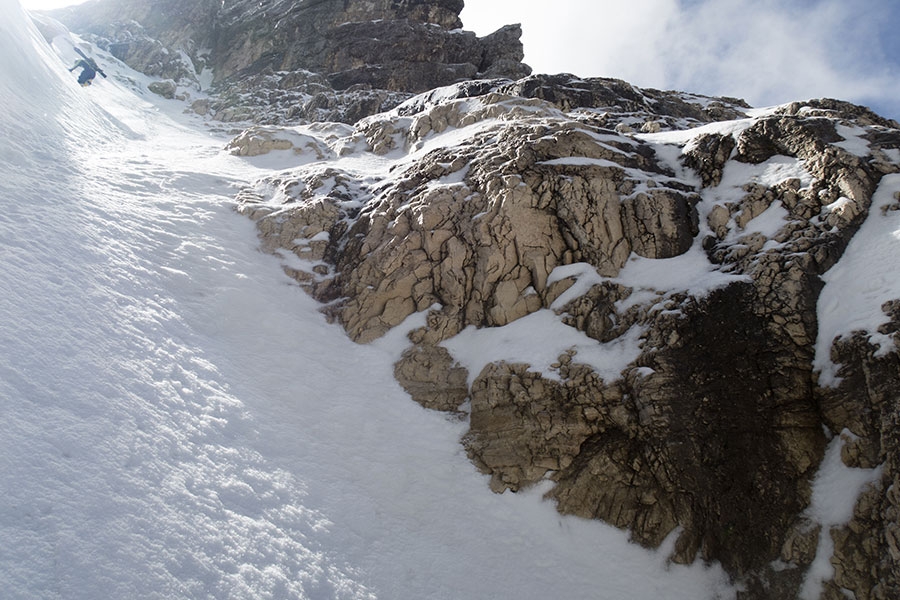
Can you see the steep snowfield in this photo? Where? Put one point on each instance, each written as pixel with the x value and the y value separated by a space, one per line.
pixel 178 421
pixel 867 276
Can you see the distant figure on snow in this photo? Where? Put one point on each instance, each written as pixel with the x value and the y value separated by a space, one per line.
pixel 89 69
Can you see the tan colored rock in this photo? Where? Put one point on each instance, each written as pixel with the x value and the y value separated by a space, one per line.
pixel 661 224
pixel 524 426
pixel 866 551
pixel 707 155
pixel 716 429
pixel 433 379
pixel 801 543
pixel 257 141
pixel 718 220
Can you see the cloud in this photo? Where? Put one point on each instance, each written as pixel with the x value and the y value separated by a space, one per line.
pixel 766 51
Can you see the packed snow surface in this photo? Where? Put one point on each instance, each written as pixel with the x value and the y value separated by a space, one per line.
pixel 538 340
pixel 863 280
pixel 180 422
pixel 835 490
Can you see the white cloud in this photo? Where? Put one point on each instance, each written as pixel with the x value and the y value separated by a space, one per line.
pixel 766 51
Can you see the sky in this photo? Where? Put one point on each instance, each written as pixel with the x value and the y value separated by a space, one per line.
pixel 764 51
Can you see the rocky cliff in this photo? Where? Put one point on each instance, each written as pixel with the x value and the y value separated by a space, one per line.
pixel 306 59
pixel 688 260
pixel 630 294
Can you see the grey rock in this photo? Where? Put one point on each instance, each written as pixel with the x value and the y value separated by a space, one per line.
pixel 166 89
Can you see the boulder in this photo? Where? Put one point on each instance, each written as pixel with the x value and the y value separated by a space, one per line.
pixel 166 89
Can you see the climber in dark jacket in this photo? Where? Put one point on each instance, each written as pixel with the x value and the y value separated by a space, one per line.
pixel 89 70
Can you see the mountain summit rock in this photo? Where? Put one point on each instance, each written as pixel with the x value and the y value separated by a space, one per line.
pixel 406 45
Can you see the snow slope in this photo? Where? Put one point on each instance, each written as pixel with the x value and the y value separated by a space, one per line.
pixel 178 421
pixel 864 279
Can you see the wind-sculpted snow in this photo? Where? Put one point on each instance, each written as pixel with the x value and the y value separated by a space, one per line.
pixel 178 419
pixel 129 466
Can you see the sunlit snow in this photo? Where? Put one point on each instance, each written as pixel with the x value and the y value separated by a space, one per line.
pixel 866 276
pixel 538 340
pixel 853 141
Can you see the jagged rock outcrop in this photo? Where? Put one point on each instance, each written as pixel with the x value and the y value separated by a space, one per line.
pixel 535 207
pixel 166 39
pixel 494 206
pixel 411 46
pixel 352 59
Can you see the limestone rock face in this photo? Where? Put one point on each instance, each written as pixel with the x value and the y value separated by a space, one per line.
pixel 149 36
pixel 409 46
pixel 536 199
pixel 504 217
